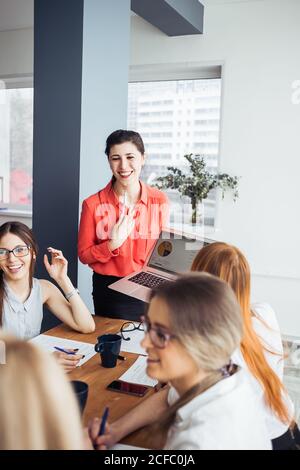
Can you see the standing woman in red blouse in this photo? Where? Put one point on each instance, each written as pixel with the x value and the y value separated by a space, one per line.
pixel 119 225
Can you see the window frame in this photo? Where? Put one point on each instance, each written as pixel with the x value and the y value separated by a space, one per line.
pixel 187 71
pixel 15 82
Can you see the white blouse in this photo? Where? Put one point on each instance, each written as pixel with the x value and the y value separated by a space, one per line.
pixel 268 331
pixel 23 319
pixel 224 417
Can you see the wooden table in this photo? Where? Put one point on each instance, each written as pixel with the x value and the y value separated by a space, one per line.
pixel 99 377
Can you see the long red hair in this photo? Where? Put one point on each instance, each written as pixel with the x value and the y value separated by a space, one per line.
pixel 228 263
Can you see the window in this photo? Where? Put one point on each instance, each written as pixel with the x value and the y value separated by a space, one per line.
pixel 194 108
pixel 16 135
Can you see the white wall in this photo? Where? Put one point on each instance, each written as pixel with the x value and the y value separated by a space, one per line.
pixel 16 52
pixel 96 95
pixel 258 43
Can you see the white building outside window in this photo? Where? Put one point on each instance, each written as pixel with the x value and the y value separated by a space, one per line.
pixel 174 118
pixel 16 139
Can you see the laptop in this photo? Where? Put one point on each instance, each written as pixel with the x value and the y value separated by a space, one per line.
pixel 172 254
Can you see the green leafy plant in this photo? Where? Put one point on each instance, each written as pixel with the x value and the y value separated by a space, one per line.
pixel 197 182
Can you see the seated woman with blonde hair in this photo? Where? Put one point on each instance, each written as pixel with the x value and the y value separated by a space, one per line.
pixel 38 409
pixel 261 351
pixel 192 327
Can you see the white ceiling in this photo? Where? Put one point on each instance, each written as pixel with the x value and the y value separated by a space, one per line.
pixel 18 14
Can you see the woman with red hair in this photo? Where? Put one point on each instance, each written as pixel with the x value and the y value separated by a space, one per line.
pixel 261 351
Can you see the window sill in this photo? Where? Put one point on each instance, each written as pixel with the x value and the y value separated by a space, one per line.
pixel 16 213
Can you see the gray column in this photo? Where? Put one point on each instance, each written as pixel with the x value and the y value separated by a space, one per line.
pixel 106 40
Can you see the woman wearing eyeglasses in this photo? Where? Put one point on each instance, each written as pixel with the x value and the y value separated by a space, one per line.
pixel 261 351
pixel 192 327
pixel 22 296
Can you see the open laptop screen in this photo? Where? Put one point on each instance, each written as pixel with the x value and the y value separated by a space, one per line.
pixel 173 254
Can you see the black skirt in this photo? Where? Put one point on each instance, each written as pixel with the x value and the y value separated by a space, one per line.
pixel 113 304
pixel 290 440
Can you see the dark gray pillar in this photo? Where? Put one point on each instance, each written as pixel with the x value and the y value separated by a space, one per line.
pixel 58 29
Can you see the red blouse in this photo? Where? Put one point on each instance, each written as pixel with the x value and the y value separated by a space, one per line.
pixel 99 214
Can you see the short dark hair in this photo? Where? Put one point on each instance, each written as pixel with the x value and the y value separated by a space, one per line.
pixel 120 136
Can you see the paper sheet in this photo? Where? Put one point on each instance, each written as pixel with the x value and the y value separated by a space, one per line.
pixel 47 343
pixel 133 345
pixel 126 447
pixel 137 373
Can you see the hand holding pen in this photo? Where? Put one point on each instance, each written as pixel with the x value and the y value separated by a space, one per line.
pixel 101 429
pixel 68 358
pixel 102 434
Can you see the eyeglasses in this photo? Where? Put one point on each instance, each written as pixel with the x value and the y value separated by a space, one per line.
pixel 158 336
pixel 128 327
pixel 18 251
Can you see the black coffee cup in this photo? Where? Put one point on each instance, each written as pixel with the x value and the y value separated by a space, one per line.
pixel 81 390
pixel 109 346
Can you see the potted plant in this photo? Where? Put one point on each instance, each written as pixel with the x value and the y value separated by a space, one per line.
pixel 197 182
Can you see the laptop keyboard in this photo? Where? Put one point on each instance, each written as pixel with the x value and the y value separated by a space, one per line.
pixel 147 280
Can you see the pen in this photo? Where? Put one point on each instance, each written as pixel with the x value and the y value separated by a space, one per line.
pixel 64 351
pixel 124 204
pixel 122 358
pixel 159 386
pixel 103 421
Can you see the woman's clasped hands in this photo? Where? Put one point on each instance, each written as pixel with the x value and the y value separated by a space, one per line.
pixel 122 229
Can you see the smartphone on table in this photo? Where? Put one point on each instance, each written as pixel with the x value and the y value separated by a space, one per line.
pixel 127 387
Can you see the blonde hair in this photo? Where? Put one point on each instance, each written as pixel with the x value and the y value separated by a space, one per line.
pixel 228 263
pixel 205 318
pixel 38 409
